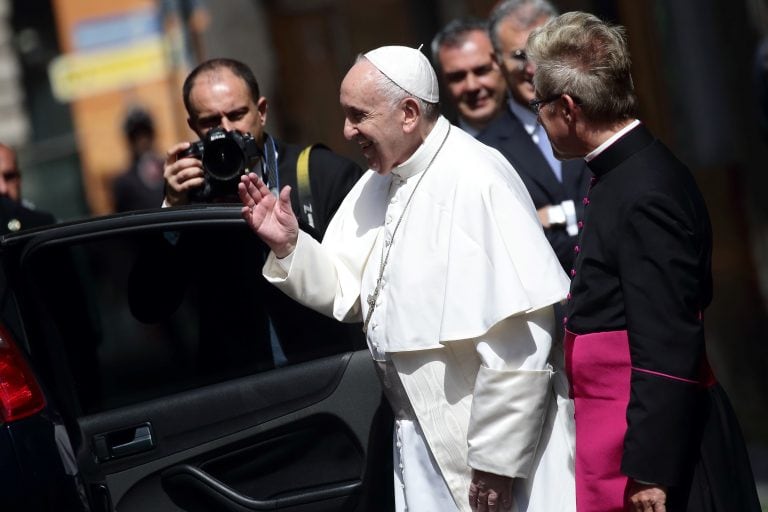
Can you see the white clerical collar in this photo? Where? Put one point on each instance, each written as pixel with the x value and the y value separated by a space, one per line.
pixel 524 114
pixel 419 160
pixel 613 138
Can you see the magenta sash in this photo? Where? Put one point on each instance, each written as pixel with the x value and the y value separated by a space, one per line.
pixel 599 367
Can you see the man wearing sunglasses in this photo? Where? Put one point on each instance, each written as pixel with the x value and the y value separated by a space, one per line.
pixel 557 188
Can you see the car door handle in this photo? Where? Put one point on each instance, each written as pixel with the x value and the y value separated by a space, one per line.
pixel 186 483
pixel 121 443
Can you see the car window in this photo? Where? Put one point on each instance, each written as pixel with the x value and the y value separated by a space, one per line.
pixel 135 316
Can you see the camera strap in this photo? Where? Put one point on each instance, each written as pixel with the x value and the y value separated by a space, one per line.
pixel 303 185
pixel 269 166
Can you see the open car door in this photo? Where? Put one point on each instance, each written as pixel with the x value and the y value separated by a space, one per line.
pixel 185 381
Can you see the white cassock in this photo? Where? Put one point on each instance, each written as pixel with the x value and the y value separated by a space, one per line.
pixel 462 328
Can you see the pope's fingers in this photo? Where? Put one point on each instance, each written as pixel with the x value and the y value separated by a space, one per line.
pixel 482 501
pixel 492 501
pixel 285 199
pixel 245 212
pixel 252 189
pixel 245 197
pixel 472 496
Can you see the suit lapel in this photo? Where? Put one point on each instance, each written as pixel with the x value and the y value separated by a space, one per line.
pixel 508 135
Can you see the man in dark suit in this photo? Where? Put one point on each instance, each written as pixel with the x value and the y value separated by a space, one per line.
pixel 223 93
pixel 14 214
pixel 654 430
pixel 462 55
pixel 557 188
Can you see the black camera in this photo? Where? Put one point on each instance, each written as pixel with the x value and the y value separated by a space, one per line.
pixel 225 156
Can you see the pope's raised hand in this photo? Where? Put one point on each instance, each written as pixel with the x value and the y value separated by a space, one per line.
pixel 270 217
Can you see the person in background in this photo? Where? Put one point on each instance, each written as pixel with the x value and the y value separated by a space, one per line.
pixel 654 430
pixel 463 57
pixel 141 185
pixel 557 188
pixel 439 252
pixel 15 212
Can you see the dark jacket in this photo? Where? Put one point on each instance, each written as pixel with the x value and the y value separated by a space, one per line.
pixel 331 177
pixel 642 270
pixel 14 216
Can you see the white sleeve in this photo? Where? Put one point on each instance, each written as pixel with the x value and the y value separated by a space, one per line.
pixel 511 394
pixel 310 275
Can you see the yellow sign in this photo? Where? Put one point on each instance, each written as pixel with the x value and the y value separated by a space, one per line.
pixel 78 75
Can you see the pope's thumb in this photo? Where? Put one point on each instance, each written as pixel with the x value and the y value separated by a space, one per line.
pixel 285 199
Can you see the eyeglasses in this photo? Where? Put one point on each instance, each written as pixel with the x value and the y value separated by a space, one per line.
pixel 519 55
pixel 537 104
pixel 521 58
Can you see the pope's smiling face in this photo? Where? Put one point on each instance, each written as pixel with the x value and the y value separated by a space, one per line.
pixel 371 120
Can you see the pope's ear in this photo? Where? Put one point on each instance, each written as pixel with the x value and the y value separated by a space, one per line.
pixel 411 114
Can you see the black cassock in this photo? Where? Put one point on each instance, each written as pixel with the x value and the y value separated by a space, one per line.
pixel 647 404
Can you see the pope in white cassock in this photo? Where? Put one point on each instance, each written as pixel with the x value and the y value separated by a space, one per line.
pixel 439 252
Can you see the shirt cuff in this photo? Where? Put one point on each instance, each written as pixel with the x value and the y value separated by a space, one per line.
pixel 508 413
pixel 571 224
pixel 277 269
pixel 285 263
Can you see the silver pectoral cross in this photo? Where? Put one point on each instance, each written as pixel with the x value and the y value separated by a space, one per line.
pixel 371 301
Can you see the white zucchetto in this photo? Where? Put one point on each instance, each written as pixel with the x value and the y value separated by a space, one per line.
pixel 408 68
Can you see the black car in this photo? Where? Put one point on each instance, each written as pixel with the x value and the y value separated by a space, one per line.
pixel 146 365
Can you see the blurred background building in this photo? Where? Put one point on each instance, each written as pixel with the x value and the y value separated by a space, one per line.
pixel 71 69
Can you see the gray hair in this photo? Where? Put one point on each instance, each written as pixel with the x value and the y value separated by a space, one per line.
pixel 454 34
pixel 526 14
pixel 393 94
pixel 579 54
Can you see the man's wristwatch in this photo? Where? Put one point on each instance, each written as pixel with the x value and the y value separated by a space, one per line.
pixel 564 214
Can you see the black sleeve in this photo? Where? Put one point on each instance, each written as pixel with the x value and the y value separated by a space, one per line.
pixel 659 256
pixel 331 178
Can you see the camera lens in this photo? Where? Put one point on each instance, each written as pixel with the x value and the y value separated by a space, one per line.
pixel 224 159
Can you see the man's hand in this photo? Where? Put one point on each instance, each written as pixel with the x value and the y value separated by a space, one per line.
pixel 489 492
pixel 543 215
pixel 270 217
pixel 646 497
pixel 181 176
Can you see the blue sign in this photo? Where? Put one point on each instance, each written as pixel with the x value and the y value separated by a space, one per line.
pixel 116 30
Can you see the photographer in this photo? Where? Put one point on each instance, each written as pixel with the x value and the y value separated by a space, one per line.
pixel 228 113
pixel 224 94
